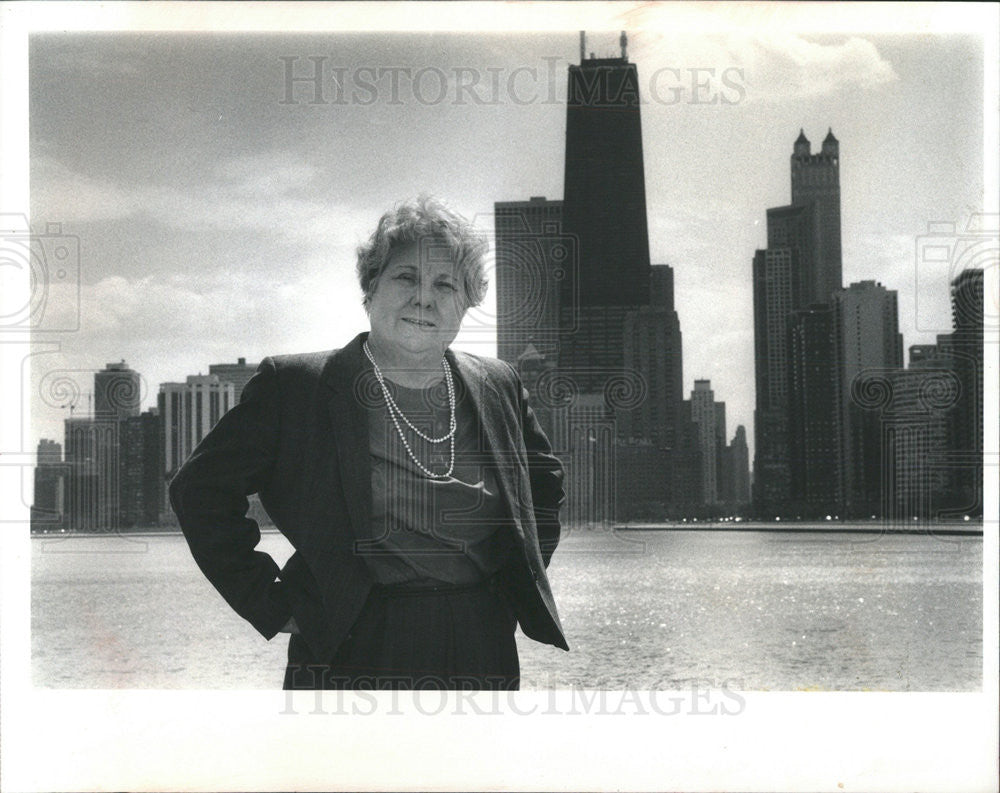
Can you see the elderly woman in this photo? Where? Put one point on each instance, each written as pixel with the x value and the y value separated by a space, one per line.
pixel 413 481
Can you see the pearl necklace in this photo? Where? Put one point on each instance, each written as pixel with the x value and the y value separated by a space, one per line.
pixel 395 411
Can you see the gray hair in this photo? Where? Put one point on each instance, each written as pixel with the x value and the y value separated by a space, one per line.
pixel 426 218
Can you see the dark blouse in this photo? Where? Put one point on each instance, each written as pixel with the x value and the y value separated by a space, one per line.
pixel 433 530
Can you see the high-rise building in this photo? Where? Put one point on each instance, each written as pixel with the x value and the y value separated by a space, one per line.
pixel 238 374
pixel 141 479
pixel 605 187
pixel 652 347
pixel 966 426
pixel 708 415
pixel 801 266
pixel 116 392
pixel 533 257
pixel 48 503
pixel 775 296
pixel 814 412
pixel 586 319
pixel 914 411
pixel 93 463
pixel 816 182
pixel 604 214
pixel 868 342
pixel 735 472
pixel 188 411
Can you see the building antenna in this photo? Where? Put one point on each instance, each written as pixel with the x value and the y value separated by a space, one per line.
pixel 583 45
pixel 624 44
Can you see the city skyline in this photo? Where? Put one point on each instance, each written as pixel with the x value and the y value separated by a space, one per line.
pixel 178 271
pixel 214 226
pixel 581 267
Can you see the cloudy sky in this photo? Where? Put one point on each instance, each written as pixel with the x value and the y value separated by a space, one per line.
pixel 217 214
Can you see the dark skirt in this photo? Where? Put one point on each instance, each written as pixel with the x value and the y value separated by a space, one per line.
pixel 418 637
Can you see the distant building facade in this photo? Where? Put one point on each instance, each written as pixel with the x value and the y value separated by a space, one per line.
pixel 532 258
pixel 141 479
pixel 188 411
pixel 868 340
pixel 814 412
pixel 735 473
pixel 709 418
pixel 117 392
pixel 49 502
pixel 238 374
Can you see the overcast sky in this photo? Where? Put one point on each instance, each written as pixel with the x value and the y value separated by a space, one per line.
pixel 218 219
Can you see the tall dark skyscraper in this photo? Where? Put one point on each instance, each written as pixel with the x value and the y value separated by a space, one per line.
pixel 800 267
pixel 813 411
pixel 605 187
pixel 604 213
pixel 141 479
pixel 816 186
pixel 588 322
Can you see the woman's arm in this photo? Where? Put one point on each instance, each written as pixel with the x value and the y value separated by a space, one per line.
pixel 545 472
pixel 209 496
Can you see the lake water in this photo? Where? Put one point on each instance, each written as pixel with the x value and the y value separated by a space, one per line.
pixel 749 610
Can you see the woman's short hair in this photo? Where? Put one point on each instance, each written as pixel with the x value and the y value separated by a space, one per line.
pixel 428 219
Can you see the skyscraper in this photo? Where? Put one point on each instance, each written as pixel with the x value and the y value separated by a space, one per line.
pixel 966 426
pixel 93 463
pixel 816 184
pixel 814 412
pixel 800 267
pixel 188 411
pixel 587 321
pixel 141 480
pixel 604 213
pixel 735 472
pixel 48 504
pixel 709 416
pixel 532 258
pixel 775 296
pixel 605 187
pixel 868 341
pixel 652 346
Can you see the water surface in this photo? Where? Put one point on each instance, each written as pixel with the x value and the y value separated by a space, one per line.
pixel 747 609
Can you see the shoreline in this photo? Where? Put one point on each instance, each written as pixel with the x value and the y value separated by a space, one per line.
pixel 971 529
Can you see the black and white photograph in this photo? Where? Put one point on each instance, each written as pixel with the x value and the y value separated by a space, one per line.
pixel 499 396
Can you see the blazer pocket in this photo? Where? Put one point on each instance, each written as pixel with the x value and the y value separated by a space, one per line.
pixel 305 603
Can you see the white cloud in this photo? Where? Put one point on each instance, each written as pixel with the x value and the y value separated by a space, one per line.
pixel 793 68
pixel 277 193
pixel 772 68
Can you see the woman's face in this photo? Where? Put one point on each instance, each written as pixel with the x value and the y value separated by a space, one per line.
pixel 418 304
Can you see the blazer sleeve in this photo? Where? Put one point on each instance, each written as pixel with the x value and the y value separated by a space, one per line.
pixel 545 473
pixel 209 496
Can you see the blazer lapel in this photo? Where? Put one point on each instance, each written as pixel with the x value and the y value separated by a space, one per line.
pixel 346 376
pixel 489 407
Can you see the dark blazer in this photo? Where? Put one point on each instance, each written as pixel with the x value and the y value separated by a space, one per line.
pixel 299 438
